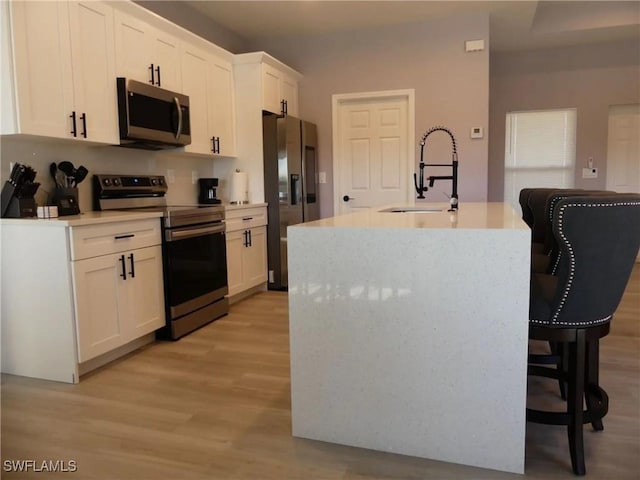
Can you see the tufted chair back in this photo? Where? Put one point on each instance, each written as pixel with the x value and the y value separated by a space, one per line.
pixel 598 238
pixel 523 199
pixel 536 203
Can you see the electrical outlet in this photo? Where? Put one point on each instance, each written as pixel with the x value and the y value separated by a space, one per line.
pixel 322 177
pixel 194 176
pixel 589 173
pixel 171 176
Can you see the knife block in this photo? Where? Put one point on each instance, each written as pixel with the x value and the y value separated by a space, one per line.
pixel 14 206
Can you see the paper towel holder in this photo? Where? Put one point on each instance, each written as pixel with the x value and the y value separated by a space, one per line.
pixel 240 199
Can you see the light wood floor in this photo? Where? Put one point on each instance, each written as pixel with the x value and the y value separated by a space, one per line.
pixel 216 405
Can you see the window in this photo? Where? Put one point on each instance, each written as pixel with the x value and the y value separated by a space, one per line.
pixel 540 151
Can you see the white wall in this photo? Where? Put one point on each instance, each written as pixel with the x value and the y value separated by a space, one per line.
pixel 588 78
pixel 452 88
pixel 40 153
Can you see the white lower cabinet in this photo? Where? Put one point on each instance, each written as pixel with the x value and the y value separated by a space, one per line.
pixel 78 293
pixel 246 248
pixel 119 297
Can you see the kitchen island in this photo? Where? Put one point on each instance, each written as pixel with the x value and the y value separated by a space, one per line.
pixel 408 332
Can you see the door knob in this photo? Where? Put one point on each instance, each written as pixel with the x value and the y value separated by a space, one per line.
pixel 346 198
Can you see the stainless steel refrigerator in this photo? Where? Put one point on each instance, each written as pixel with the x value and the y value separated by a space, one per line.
pixel 290 186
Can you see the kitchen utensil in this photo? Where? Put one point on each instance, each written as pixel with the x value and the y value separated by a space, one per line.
pixel 61 179
pixel 53 170
pixel 80 174
pixel 67 168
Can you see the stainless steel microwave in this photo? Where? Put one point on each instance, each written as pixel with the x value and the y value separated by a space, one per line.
pixel 152 118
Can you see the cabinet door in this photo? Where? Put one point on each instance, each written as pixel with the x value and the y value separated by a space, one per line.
pixel 271 89
pixel 99 322
pixel 134 40
pixel 144 292
pixel 235 250
pixel 94 74
pixel 254 262
pixel 221 106
pixel 42 58
pixel 289 93
pixel 195 78
pixel 165 52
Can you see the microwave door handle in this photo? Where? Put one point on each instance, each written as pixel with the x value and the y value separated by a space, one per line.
pixel 179 129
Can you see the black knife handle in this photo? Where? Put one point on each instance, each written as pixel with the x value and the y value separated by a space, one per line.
pixel 133 270
pixel 74 130
pixel 124 268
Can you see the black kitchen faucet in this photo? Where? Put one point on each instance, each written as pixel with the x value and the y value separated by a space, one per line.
pixel 420 188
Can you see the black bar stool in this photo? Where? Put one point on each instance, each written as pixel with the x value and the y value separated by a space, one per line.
pixel 598 239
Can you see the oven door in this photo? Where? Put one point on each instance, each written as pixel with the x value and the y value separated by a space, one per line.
pixel 195 267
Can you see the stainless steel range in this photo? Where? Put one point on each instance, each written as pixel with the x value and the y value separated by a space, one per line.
pixel 193 249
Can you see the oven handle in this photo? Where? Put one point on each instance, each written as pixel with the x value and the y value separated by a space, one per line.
pixel 171 235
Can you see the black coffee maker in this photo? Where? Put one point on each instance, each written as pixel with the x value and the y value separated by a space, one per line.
pixel 208 190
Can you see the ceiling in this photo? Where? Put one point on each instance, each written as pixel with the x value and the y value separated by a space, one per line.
pixel 514 25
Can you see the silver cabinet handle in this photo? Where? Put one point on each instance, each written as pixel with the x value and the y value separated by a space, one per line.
pixel 171 235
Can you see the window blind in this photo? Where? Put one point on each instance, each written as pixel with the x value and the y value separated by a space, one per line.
pixel 540 151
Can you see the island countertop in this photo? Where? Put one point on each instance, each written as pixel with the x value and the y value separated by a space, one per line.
pixel 409 332
pixel 476 216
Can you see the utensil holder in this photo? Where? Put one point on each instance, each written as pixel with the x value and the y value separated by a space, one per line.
pixel 66 199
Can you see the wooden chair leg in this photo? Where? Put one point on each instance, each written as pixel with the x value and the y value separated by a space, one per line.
pixel 577 358
pixel 561 350
pixel 592 378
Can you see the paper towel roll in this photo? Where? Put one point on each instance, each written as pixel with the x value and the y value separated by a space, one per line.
pixel 240 187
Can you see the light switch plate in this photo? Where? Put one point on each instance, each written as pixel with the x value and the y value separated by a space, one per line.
pixel 589 173
pixel 322 177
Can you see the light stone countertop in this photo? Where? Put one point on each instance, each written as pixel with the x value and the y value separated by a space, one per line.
pixel 85 218
pixel 474 216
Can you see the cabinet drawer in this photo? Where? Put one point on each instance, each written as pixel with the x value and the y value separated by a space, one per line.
pixel 95 240
pixel 244 218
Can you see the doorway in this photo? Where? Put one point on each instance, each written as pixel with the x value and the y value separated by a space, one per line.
pixel 623 149
pixel 373 149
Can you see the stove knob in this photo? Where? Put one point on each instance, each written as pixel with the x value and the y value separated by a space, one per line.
pixel 116 182
pixel 161 180
pixel 154 181
pixel 106 182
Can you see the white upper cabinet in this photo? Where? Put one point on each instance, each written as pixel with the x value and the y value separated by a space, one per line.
pixel 146 54
pixel 279 91
pixel 94 72
pixel 222 106
pixel 208 81
pixel 64 70
pixel 195 66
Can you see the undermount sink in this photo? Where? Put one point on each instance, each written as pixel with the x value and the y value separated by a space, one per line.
pixel 411 210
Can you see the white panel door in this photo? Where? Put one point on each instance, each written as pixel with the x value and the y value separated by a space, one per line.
pixel 43 76
pixel 166 55
pixel 133 43
pixel 94 71
pixel 623 151
pixel 99 321
pixel 221 106
pixel 195 78
pixel 372 152
pixel 145 291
